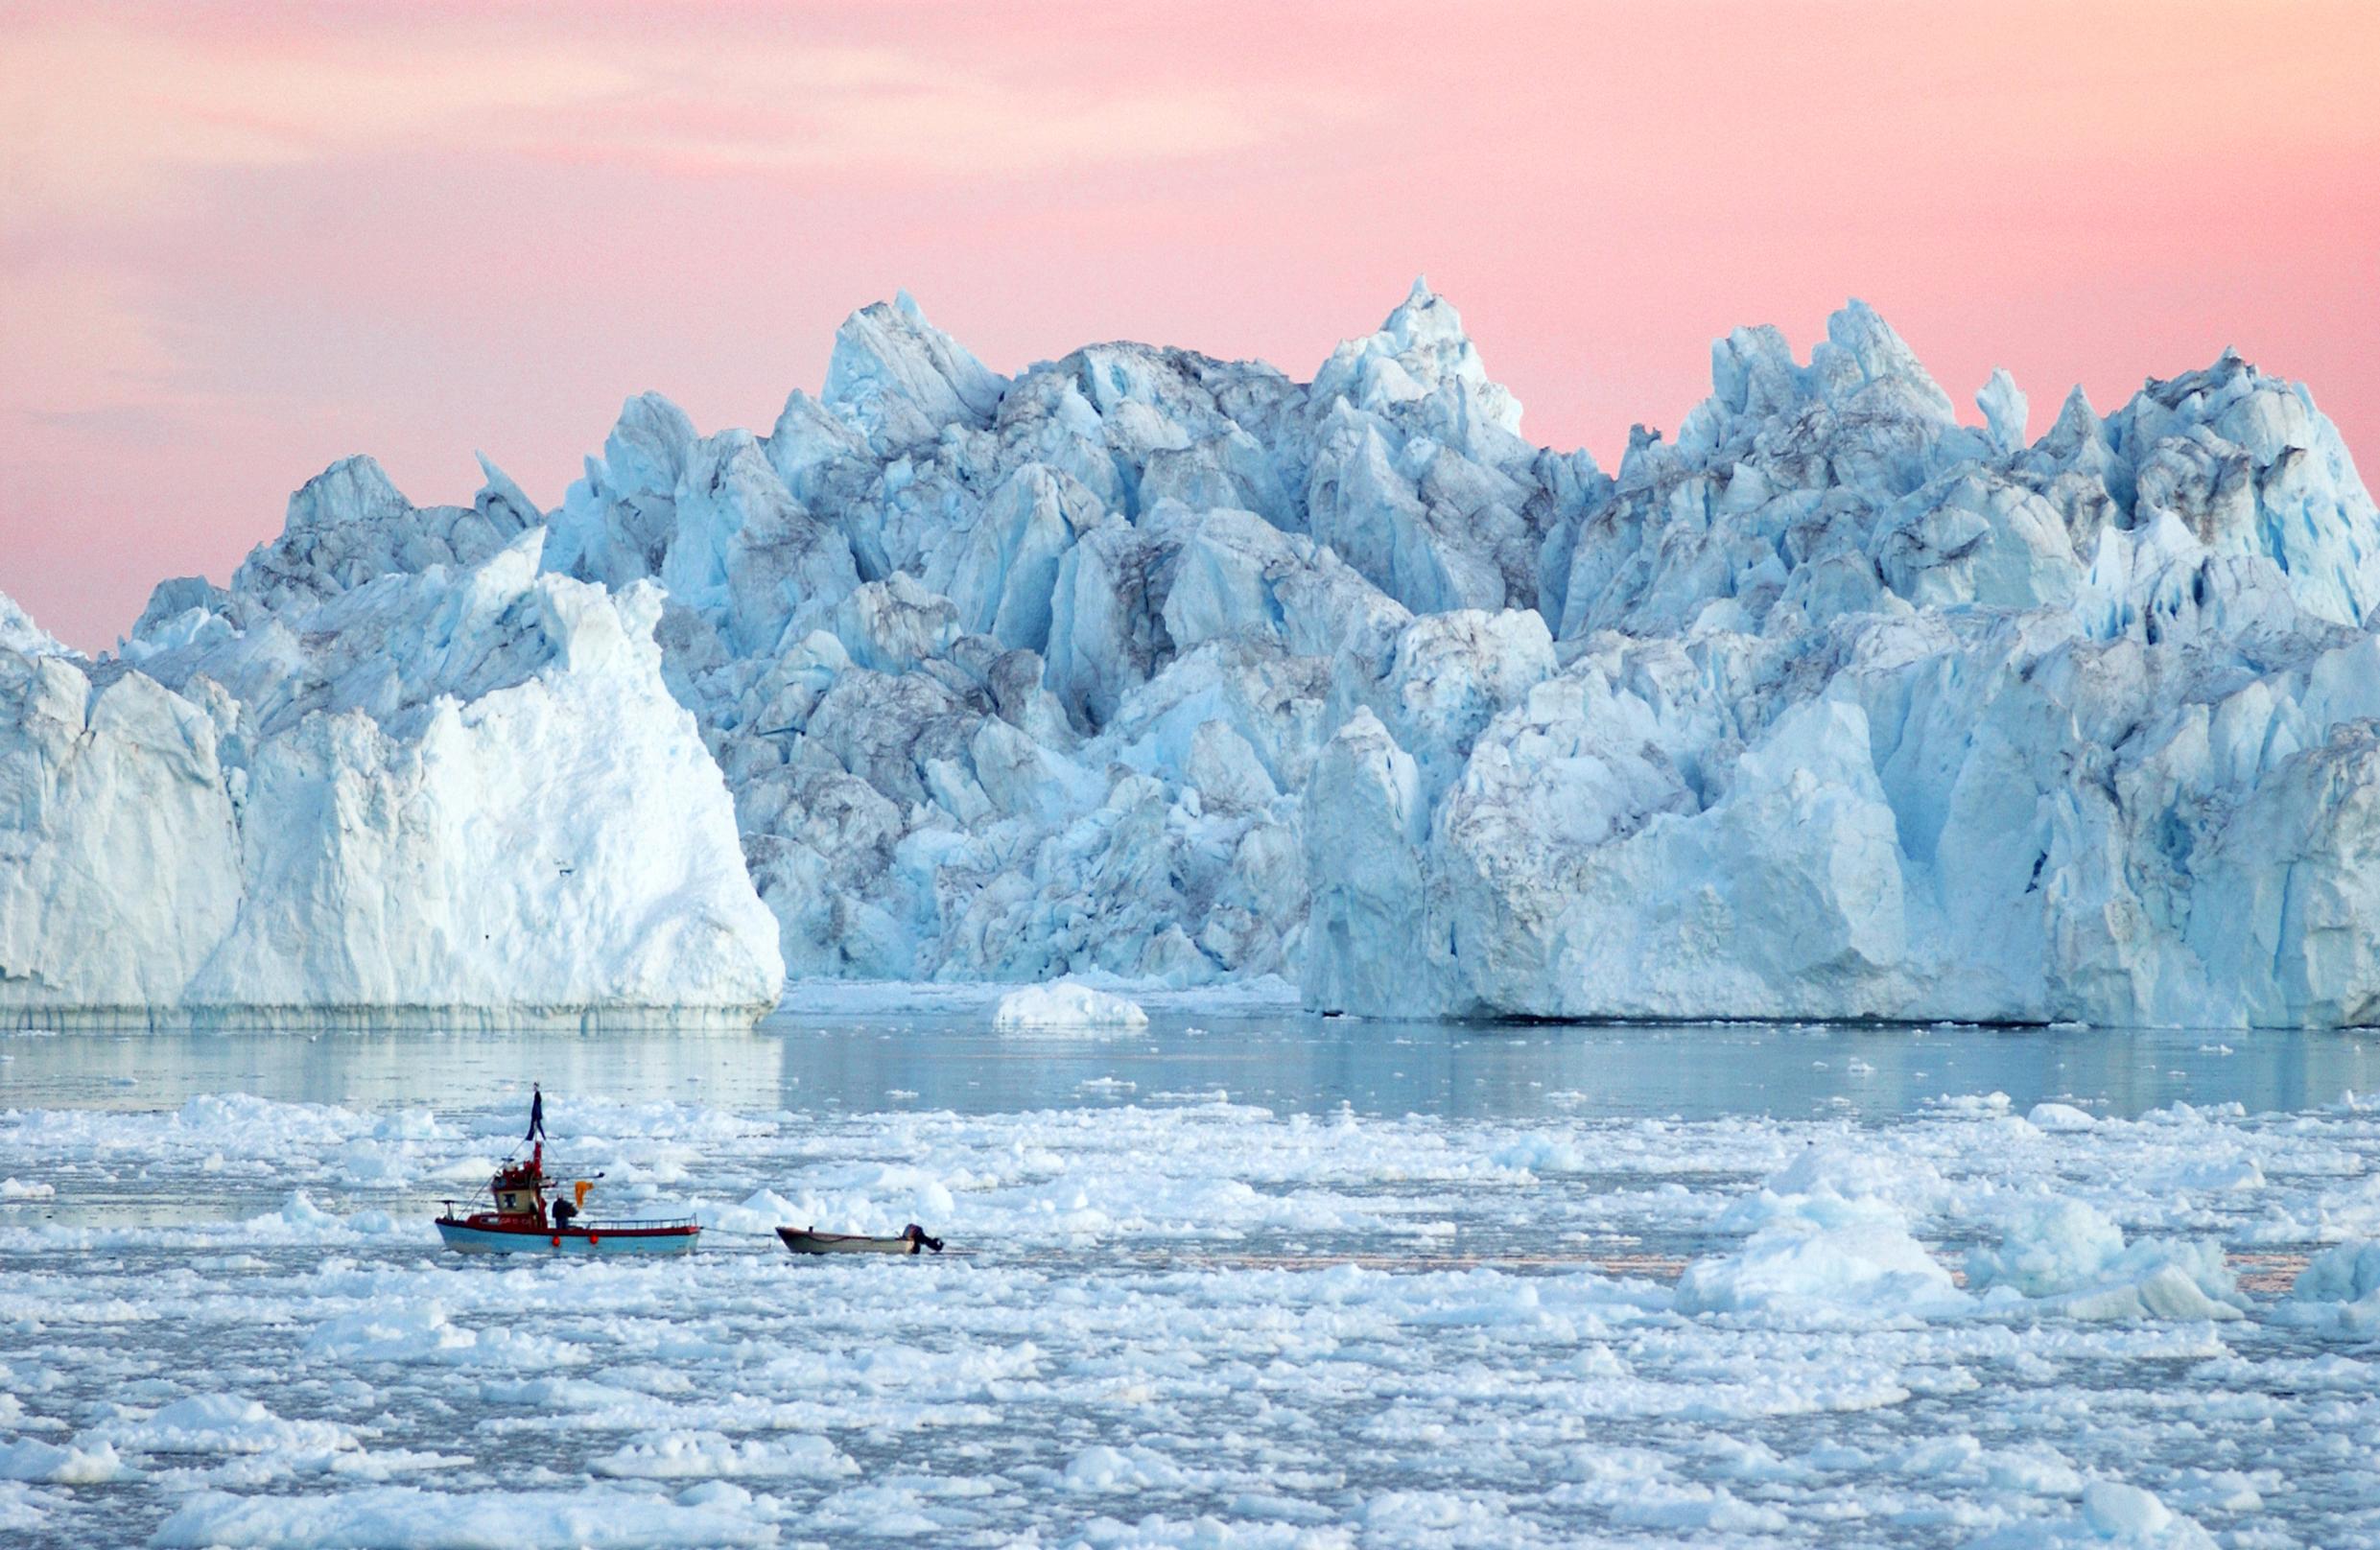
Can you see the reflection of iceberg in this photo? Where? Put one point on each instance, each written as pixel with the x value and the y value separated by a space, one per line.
pixel 725 1069
pixel 952 1059
pixel 1150 666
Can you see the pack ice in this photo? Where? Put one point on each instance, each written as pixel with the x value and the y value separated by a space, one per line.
pixel 1148 666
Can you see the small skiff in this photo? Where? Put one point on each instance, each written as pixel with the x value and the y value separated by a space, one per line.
pixel 803 1241
pixel 523 1223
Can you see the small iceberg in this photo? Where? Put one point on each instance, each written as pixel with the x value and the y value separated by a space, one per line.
pixel 2067 1256
pixel 1066 1004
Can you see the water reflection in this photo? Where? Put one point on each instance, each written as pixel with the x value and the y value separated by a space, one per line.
pixel 1285 1062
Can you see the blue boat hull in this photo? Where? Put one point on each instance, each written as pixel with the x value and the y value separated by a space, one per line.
pixel 598 1241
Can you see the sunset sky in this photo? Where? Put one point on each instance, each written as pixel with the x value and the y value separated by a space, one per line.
pixel 237 243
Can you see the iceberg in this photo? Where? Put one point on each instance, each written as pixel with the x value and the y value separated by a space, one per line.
pixel 459 792
pixel 1148 667
pixel 2067 1257
pixel 1829 1238
pixel 1066 1004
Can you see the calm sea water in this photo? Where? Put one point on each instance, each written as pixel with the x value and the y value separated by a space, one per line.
pixel 1286 1063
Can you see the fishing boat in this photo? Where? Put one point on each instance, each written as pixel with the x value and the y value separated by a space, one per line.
pixel 805 1241
pixel 523 1222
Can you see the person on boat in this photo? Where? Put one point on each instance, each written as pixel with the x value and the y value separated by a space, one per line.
pixel 563 1211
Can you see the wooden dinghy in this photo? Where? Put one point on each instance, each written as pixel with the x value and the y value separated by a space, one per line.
pixel 805 1241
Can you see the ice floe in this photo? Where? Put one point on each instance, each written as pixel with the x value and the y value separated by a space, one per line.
pixel 1066 1004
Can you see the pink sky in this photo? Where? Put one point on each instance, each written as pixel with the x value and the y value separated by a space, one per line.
pixel 236 244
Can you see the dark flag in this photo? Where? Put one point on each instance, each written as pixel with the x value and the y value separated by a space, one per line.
pixel 536 1113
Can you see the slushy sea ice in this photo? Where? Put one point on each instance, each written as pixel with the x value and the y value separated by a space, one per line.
pixel 1187 1322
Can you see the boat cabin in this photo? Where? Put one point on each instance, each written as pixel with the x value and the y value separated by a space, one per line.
pixel 520 1189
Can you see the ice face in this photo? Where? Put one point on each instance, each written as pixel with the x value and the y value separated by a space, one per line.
pixel 446 789
pixel 1148 664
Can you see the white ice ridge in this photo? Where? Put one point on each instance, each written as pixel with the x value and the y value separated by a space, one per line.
pixel 18 632
pixel 1146 665
pixel 456 789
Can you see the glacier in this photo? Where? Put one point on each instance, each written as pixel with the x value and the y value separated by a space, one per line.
pixel 1149 667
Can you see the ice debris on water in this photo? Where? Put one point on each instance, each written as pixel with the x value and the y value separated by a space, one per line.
pixel 2065 1256
pixel 1499 1296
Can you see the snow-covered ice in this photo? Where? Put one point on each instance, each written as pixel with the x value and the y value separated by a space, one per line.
pixel 1500 1310
pixel 1143 666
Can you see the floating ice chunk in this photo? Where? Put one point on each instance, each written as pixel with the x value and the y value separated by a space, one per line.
pixel 225 1423
pixel 2070 1258
pixel 1698 1509
pixel 764 1210
pixel 407 1517
pixel 706 1455
pixel 2059 1116
pixel 1066 1003
pixel 2114 1516
pixel 41 1463
pixel 2131 1515
pixel 301 1220
pixel 1103 1469
pixel 300 1211
pixel 1540 1152
pixel 2340 1288
pixel 2048 1247
pixel 19 1189
pixel 1833 1176
pixel 2221 1175
pixel 418 1331
pixel 2033 1471
pixel 2349 1272
pixel 1824 1258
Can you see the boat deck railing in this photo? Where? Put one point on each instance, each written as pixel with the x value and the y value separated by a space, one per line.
pixel 582 1224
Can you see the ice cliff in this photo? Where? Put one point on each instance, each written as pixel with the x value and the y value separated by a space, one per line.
pixel 1149 664
pixel 461 791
